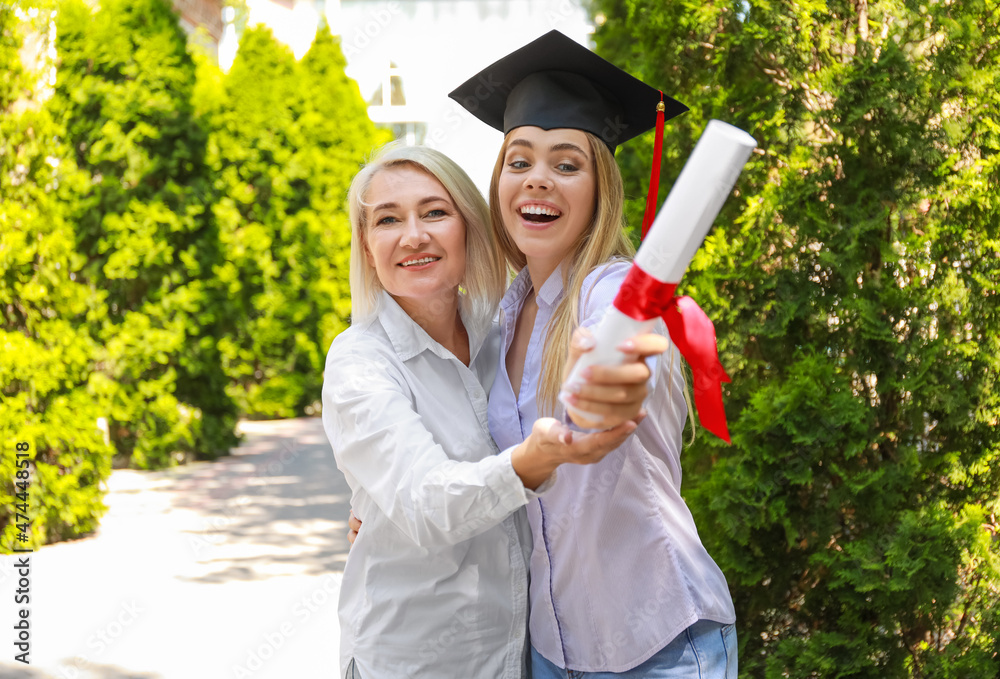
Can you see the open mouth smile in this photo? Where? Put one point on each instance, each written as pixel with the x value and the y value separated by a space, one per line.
pixel 539 214
pixel 418 262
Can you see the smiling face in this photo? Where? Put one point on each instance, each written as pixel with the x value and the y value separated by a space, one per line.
pixel 415 239
pixel 546 192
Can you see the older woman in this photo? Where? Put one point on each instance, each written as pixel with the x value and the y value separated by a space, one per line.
pixel 436 582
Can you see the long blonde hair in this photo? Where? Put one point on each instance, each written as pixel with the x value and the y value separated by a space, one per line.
pixel 483 284
pixel 602 242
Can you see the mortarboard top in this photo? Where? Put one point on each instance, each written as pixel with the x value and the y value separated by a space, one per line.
pixel 556 82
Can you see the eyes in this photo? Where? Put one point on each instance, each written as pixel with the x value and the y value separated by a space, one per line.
pixel 566 167
pixel 431 215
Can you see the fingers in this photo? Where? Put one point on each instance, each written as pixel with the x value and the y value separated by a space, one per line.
pixel 614 394
pixel 354 524
pixel 610 395
pixel 552 431
pixel 610 439
pixel 602 406
pixel 649 344
pixel 633 372
pixel 581 343
pixel 591 448
pixel 553 440
pixel 596 415
pixel 640 417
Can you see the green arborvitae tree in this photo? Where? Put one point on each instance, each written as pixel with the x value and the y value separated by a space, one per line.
pixel 853 281
pixel 286 138
pixel 341 136
pixel 50 402
pixel 123 93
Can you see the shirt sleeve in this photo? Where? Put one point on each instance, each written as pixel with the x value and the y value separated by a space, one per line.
pixel 381 443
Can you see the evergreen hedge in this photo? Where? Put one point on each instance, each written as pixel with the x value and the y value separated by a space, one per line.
pixel 50 391
pixel 173 246
pixel 285 140
pixel 853 281
pixel 123 97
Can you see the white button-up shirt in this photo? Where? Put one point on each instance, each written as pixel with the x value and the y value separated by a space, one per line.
pixel 617 569
pixel 436 582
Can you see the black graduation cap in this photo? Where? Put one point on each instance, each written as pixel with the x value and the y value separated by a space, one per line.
pixel 556 82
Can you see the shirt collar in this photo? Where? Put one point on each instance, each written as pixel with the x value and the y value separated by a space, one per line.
pixel 516 292
pixel 552 289
pixel 409 339
pixel 547 296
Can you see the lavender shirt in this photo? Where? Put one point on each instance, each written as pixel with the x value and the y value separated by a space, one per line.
pixel 617 567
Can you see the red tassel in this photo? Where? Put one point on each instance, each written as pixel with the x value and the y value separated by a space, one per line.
pixel 654 174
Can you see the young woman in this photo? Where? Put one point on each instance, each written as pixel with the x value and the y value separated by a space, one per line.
pixel 620 582
pixel 436 583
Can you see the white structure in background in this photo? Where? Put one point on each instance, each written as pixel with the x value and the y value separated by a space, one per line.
pixel 293 22
pixel 229 42
pixel 406 55
pixel 388 108
pixel 435 46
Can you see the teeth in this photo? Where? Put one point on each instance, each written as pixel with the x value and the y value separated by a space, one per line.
pixel 539 210
pixel 416 262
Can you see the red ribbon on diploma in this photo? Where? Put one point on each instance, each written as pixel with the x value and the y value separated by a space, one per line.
pixel 642 297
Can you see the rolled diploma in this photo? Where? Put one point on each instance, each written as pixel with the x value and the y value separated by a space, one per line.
pixel 676 234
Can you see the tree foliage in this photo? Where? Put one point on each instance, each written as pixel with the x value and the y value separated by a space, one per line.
pixel 286 138
pixel 853 284
pixel 50 396
pixel 173 244
pixel 123 92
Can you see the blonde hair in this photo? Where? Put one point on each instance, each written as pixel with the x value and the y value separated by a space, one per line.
pixel 599 244
pixel 483 283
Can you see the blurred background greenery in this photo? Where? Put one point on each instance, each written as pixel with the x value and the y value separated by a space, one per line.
pixel 174 244
pixel 173 250
pixel 853 284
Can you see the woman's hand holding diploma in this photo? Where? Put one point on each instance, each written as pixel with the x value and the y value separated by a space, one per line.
pixel 648 291
pixel 614 392
pixel 611 394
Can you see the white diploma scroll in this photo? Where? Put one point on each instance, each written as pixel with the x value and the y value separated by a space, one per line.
pixel 675 235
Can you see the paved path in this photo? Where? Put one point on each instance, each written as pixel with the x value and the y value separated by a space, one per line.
pixel 214 570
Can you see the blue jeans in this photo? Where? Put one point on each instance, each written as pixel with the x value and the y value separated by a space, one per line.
pixel 705 650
